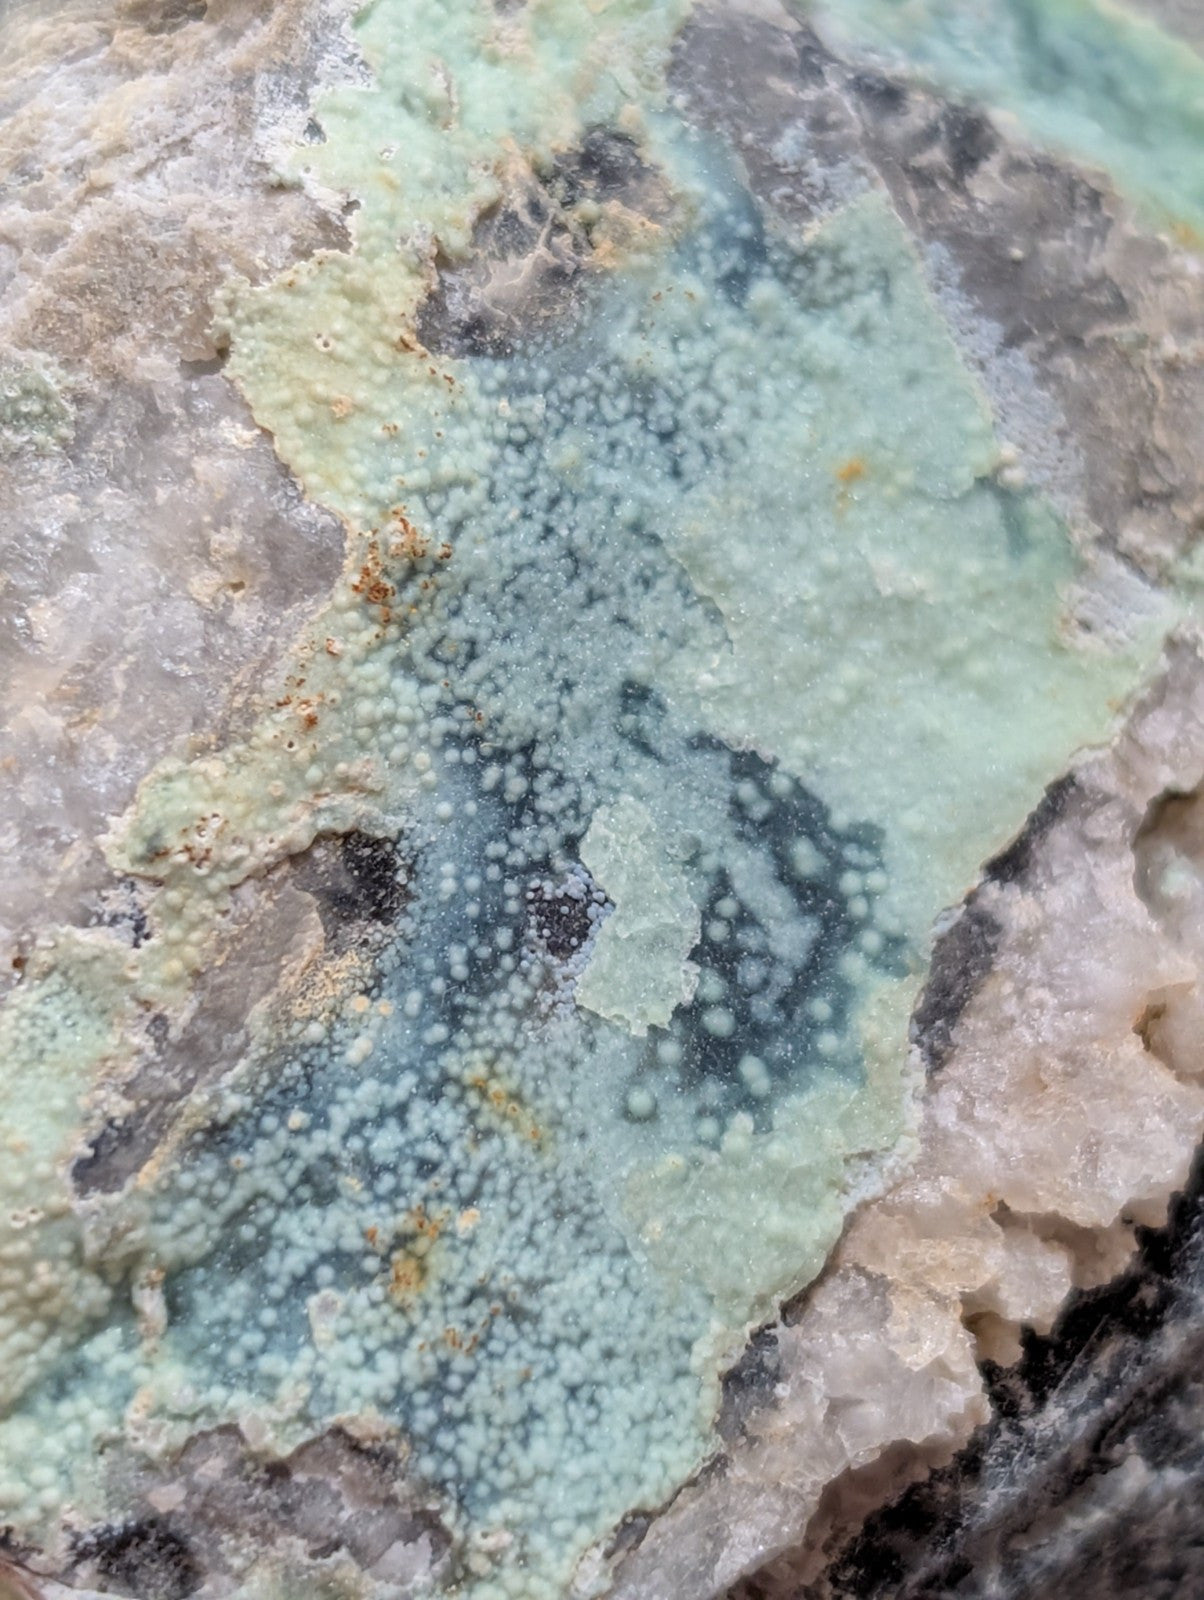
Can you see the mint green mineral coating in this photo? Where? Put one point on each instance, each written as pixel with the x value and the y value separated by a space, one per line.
pixel 1090 79
pixel 699 654
pixel 768 520
pixel 459 94
pixel 56 1033
pixel 882 526
pixel 35 409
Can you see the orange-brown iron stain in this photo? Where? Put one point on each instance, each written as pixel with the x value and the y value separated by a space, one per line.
pixel 407 1277
pixel 370 583
pixel 410 1268
pixel 495 1098
pixel 406 542
pixel 411 1263
pixel 305 707
pixel 195 849
pixel 847 474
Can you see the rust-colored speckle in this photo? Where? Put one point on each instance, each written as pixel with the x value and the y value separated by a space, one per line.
pixel 405 541
pixel 370 582
pixel 847 474
pixel 408 342
pixel 498 1100
pixel 407 1276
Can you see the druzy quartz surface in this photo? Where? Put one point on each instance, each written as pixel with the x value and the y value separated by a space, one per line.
pixel 700 634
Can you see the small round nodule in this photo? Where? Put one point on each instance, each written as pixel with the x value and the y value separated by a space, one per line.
pixel 641 1104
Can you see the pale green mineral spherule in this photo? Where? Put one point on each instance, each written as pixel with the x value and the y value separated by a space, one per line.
pixel 641 1104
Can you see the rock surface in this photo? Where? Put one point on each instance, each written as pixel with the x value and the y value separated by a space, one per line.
pixel 550 550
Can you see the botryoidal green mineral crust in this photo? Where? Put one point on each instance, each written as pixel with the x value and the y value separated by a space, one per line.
pixel 700 636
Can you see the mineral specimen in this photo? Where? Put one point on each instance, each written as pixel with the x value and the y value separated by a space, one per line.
pixel 553 549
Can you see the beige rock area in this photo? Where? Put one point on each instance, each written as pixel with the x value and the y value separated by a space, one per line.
pixel 160 555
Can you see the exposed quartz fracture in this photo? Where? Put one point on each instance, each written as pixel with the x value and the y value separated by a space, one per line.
pixel 694 648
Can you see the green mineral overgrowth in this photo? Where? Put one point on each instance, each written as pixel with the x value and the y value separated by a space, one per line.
pixel 36 412
pixel 760 510
pixel 1093 80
